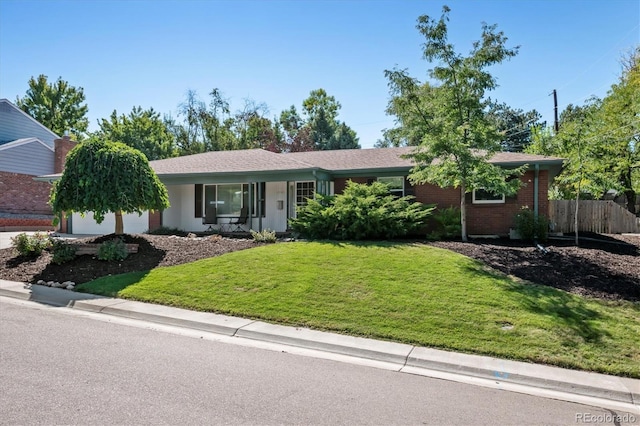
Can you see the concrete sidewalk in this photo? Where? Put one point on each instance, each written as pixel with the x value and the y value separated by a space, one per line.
pixel 408 358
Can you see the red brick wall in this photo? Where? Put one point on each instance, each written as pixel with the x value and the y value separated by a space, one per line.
pixel 20 194
pixel 155 220
pixel 340 184
pixel 62 148
pixel 482 219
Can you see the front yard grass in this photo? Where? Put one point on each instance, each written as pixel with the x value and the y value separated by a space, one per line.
pixel 404 292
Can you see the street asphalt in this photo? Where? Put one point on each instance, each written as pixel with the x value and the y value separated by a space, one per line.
pixel 569 385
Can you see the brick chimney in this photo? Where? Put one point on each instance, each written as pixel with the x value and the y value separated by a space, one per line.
pixel 62 148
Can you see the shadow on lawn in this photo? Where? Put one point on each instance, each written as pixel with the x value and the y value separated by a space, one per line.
pixel 565 309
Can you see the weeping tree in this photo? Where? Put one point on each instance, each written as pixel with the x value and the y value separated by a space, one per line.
pixel 101 176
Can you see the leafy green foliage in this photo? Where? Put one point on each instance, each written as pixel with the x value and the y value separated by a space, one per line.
pixel 448 122
pixel 321 130
pixel 360 212
pixel 112 250
pixel 448 220
pixel 141 129
pixel 530 227
pixel 58 106
pixel 31 245
pixel 514 125
pixel 62 251
pixel 600 142
pixel 265 236
pixel 103 176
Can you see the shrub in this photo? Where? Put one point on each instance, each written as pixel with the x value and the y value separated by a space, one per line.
pixel 360 212
pixel 31 245
pixel 265 236
pixel 165 230
pixel 62 252
pixel 113 250
pixel 449 226
pixel 531 228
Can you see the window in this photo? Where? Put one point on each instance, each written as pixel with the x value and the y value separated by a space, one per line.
pixel 304 190
pixel 228 199
pixel 395 184
pixel 482 196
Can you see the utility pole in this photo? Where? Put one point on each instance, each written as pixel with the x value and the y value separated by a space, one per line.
pixel 556 123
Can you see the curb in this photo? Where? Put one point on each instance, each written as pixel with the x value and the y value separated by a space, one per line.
pixel 407 357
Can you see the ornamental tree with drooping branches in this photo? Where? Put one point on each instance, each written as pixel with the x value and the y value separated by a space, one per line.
pixel 101 176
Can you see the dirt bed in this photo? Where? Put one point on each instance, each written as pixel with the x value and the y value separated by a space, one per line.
pixel 607 268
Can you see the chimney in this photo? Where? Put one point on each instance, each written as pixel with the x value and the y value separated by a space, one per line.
pixel 62 148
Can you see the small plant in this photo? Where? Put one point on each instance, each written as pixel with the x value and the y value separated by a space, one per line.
pixel 265 236
pixel 448 220
pixel 114 249
pixel 62 252
pixel 530 227
pixel 31 245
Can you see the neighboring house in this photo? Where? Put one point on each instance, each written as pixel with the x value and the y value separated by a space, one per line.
pixel 27 149
pixel 270 186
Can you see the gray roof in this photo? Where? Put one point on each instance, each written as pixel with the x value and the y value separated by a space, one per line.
pixel 240 161
pixel 259 160
pixel 17 124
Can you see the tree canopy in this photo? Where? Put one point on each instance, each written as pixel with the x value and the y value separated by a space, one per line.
pixel 141 129
pixel 58 106
pixel 447 120
pixel 321 130
pixel 600 141
pixel 101 176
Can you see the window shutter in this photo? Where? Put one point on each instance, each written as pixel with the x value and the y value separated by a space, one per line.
pixel 198 203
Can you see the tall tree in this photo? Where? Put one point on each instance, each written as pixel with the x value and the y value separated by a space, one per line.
pixel 141 129
pixel 323 127
pixel 515 125
pixel 101 176
pixel 319 100
pixel 456 137
pixel 620 129
pixel 58 106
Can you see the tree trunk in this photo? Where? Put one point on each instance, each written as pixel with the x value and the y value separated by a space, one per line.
pixel 463 212
pixel 631 200
pixel 575 223
pixel 119 224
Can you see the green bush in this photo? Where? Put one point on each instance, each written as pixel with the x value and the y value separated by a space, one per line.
pixel 62 252
pixel 531 228
pixel 265 236
pixel 448 221
pixel 113 250
pixel 31 245
pixel 361 212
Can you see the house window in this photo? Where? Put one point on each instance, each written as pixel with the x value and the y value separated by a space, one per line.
pixel 395 184
pixel 229 199
pixel 304 190
pixel 482 196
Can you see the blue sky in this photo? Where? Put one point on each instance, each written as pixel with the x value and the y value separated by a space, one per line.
pixel 149 53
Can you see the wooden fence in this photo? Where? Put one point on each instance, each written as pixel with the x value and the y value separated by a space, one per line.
pixel 603 217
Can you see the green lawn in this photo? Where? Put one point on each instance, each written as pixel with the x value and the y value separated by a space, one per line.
pixel 409 293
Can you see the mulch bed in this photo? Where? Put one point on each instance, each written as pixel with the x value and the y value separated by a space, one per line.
pixel 607 268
